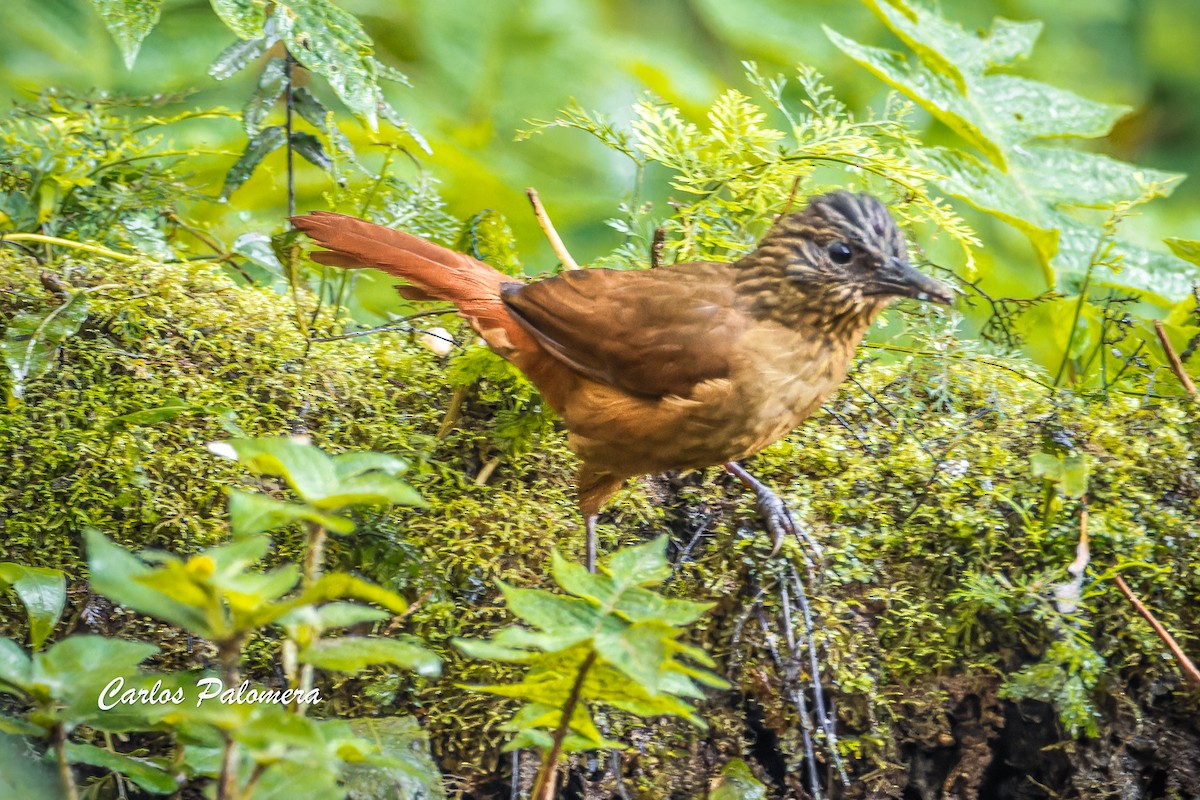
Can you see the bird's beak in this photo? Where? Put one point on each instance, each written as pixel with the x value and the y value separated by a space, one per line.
pixel 902 279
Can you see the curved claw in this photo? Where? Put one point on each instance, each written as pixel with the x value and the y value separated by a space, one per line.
pixel 777 517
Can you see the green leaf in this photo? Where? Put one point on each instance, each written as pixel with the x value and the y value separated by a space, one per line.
pixel 151 416
pixel 31 341
pixel 410 771
pixel 370 489
pixel 15 665
pixel 306 469
pixel 1187 249
pixel 18 727
pixel 69 668
pixel 332 43
pixel 261 145
pixel 639 651
pixel 351 465
pixel 333 615
pixel 234 58
pixel 251 513
pixel 640 565
pixel 143 772
pixel 129 22
pixel 737 782
pixel 42 590
pixel 311 150
pixel 116 573
pixel 552 613
pixel 272 82
pixel 355 653
pixel 245 18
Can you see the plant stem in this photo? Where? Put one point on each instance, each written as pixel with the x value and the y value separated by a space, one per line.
pixel 543 787
pixel 64 768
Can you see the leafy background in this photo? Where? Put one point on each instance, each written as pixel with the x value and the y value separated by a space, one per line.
pixel 479 71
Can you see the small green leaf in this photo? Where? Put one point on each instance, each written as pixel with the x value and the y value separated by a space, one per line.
pixel 311 150
pixel 333 615
pixel 31 341
pixel 18 727
pixel 234 58
pixel 355 653
pixel 143 772
pixel 262 144
pixel 351 465
pixel 1187 249
pixel 305 468
pixel 116 573
pixel 640 565
pixel 129 22
pixel 42 590
pixel 150 416
pixel 251 513
pixel 272 82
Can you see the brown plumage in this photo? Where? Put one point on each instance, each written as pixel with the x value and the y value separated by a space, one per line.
pixel 674 368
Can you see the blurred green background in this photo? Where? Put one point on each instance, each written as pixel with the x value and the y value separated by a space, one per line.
pixel 480 69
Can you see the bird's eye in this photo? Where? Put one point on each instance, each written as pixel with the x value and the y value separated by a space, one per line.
pixel 840 253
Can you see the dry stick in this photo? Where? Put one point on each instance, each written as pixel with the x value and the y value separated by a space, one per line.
pixel 1189 669
pixel 547 226
pixel 799 701
pixel 1173 359
pixel 828 723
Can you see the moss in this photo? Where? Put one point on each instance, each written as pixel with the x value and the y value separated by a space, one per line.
pixel 942 550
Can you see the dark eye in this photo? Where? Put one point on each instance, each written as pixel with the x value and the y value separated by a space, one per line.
pixel 840 253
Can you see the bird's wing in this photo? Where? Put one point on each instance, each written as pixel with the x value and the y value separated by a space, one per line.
pixel 649 332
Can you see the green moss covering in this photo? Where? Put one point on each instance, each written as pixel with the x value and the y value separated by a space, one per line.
pixel 942 550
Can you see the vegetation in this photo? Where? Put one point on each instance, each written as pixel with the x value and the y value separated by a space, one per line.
pixel 213 477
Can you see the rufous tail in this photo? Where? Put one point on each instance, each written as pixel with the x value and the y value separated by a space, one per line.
pixel 432 272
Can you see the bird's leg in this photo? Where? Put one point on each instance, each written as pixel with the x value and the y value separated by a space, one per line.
pixel 590 526
pixel 770 505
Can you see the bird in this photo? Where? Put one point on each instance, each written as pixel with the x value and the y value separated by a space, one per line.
pixel 681 366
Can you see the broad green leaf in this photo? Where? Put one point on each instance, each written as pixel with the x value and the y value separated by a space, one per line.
pixel 372 488
pixel 42 590
pixel 251 513
pixel 332 586
pixel 640 651
pixel 305 468
pixel 234 58
pixel 1159 277
pixel 15 665
pixel 332 43
pixel 355 653
pixel 69 668
pixel 1187 249
pixel 249 590
pixel 411 771
pixel 115 572
pixel 261 145
pixel 272 82
pixel 143 772
pixel 351 465
pixel 625 597
pixel 737 782
pixel 129 22
pixel 245 18
pixel 31 341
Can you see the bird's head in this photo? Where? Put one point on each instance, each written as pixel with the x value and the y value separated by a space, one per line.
pixel 845 249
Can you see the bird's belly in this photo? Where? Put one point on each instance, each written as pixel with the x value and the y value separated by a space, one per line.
pixel 721 420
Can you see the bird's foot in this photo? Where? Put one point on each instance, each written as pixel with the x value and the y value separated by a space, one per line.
pixel 775 512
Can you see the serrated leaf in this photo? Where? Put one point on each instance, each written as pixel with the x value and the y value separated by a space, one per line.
pixel 550 612
pixel 332 43
pixel 354 653
pixel 129 22
pixel 246 18
pixel 640 565
pixel 43 592
pixel 272 82
pixel 267 141
pixel 236 56
pixel 31 341
pixel 143 772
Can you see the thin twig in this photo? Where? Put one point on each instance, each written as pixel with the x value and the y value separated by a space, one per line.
pixel 1189 669
pixel 798 700
pixel 64 767
pixel 1173 360
pixel 547 226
